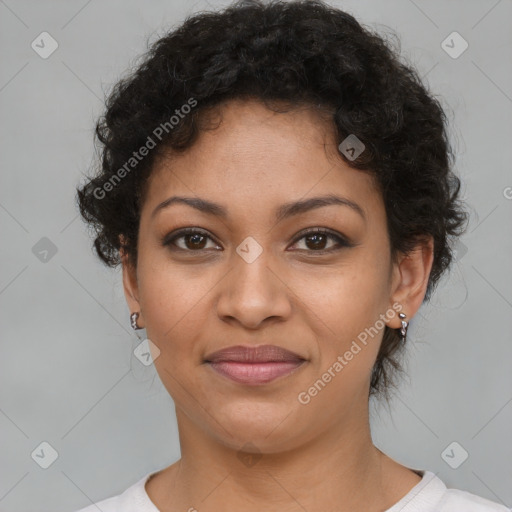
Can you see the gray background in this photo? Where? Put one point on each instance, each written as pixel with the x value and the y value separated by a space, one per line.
pixel 68 375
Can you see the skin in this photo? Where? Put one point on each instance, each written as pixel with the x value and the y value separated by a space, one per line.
pixel 314 456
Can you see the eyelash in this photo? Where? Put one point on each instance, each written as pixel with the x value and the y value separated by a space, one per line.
pixel 341 241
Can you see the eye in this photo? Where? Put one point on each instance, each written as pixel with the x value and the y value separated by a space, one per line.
pixel 316 240
pixel 194 239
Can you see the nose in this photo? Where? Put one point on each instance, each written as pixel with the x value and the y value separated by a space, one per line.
pixel 254 292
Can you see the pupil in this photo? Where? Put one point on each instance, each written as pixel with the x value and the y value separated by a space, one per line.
pixel 196 238
pixel 315 244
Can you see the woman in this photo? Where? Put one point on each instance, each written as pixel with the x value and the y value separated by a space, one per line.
pixel 278 189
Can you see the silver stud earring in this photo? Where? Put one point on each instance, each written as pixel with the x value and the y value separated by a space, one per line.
pixel 403 329
pixel 133 321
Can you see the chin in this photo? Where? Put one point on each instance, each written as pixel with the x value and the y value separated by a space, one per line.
pixel 266 425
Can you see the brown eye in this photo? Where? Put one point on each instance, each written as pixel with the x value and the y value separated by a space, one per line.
pixel 190 239
pixel 318 241
pixel 195 241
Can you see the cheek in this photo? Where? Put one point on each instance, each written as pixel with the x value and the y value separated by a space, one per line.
pixel 175 306
pixel 345 298
pixel 343 308
pixel 175 311
pixel 348 329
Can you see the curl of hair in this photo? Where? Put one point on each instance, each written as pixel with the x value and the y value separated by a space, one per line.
pixel 297 53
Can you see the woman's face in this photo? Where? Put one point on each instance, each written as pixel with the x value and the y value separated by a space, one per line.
pixel 255 275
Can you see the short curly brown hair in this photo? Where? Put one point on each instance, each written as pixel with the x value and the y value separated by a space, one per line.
pixel 297 52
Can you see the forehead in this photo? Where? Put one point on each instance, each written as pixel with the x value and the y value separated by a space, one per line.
pixel 257 155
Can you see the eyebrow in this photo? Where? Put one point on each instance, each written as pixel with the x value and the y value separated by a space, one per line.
pixel 283 212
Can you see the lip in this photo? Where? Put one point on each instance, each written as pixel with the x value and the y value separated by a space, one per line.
pixel 254 365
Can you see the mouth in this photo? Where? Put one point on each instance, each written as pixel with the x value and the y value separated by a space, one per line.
pixel 254 365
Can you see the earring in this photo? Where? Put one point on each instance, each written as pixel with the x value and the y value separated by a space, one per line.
pixel 133 320
pixel 405 325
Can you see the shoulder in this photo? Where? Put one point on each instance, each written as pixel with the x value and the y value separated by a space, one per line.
pixel 432 495
pixel 455 500
pixel 133 499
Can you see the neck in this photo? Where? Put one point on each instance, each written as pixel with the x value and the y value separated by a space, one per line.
pixel 340 469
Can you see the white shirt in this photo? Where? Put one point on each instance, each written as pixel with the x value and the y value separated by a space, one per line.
pixel 428 495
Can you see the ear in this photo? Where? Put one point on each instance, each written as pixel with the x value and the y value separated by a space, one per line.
pixel 130 286
pixel 410 279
